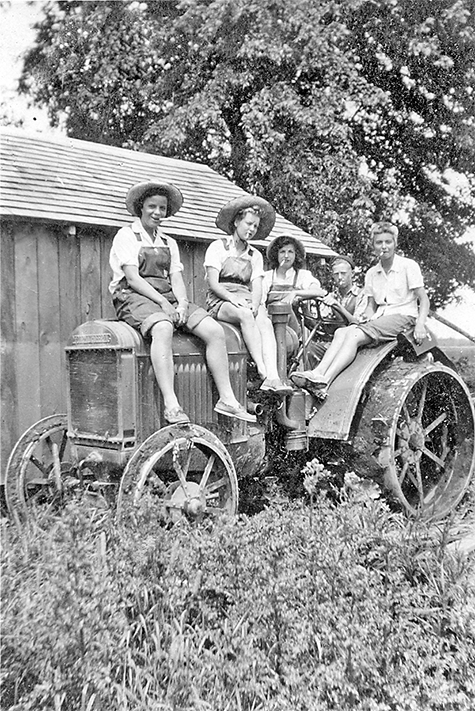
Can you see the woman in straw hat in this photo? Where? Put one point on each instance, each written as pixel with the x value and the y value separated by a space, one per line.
pixel 287 280
pixel 149 293
pixel 234 271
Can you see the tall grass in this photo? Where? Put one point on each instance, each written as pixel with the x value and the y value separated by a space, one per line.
pixel 351 608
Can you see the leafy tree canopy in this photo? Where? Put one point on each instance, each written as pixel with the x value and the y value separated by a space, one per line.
pixel 339 112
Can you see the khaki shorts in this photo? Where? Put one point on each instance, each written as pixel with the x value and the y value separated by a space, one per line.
pixel 387 328
pixel 142 313
pixel 214 303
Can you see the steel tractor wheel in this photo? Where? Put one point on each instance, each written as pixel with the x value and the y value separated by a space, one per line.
pixel 182 471
pixel 419 423
pixel 39 465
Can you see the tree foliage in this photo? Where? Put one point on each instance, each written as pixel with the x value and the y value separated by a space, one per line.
pixel 338 111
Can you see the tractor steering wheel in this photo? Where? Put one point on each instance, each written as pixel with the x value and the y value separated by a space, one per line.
pixel 310 311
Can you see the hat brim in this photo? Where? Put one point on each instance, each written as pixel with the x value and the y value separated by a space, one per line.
pixel 173 195
pixel 227 215
pixel 274 247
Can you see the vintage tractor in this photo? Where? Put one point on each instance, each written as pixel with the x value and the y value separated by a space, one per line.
pixel 402 411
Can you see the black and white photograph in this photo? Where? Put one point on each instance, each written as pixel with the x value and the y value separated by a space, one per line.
pixel 237 355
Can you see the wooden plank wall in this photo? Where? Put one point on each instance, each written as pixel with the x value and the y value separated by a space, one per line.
pixel 53 279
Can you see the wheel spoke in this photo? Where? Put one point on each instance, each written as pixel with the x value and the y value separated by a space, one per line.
pixel 411 476
pixel 406 413
pixel 207 471
pixel 444 442
pixel 433 456
pixel 186 465
pixel 57 468
pixel 435 423
pixel 404 471
pixel 38 464
pixel 216 485
pixel 422 401
pixel 62 447
pixel 213 510
pixel 33 483
pixel 419 482
pixel 171 503
pixel 178 468
pixel 49 442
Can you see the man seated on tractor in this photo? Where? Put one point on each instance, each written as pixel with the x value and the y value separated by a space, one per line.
pixel 397 302
pixel 347 296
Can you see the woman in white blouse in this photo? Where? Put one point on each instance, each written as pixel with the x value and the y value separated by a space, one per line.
pixel 234 272
pixel 287 280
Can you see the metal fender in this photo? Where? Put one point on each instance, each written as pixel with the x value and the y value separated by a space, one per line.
pixel 334 416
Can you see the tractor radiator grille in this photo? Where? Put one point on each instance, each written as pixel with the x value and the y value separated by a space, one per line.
pixel 93 392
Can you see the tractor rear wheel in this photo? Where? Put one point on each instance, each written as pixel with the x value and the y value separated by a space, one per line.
pixel 181 471
pixel 418 423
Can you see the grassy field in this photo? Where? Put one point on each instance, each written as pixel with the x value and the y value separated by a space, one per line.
pixel 311 605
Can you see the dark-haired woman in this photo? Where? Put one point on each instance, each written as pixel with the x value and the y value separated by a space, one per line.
pixel 149 294
pixel 287 280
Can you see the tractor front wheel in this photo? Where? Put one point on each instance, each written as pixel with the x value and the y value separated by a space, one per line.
pixel 38 466
pixel 181 471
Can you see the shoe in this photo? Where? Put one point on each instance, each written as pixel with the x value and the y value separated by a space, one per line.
pixel 318 390
pixel 276 386
pixel 302 377
pixel 230 411
pixel 176 416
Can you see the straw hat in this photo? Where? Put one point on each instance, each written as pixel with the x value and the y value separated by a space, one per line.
pixel 227 214
pixel 173 195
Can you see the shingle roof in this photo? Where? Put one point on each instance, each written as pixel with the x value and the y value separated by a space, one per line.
pixel 68 180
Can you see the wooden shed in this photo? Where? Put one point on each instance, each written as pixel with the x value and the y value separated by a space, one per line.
pixel 62 201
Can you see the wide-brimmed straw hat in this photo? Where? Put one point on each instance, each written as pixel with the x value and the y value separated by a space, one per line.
pixel 276 244
pixel 173 195
pixel 227 214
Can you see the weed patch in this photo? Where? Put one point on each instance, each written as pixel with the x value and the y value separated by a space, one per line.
pixel 297 608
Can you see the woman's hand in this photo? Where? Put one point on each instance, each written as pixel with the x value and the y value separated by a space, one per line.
pixel 181 312
pixel 419 333
pixel 168 309
pixel 239 302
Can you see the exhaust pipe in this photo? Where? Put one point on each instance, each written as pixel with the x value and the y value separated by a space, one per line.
pixel 255 408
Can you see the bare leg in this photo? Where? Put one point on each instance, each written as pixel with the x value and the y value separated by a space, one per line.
pixel 161 355
pixel 269 345
pixel 333 349
pixel 340 354
pixel 244 318
pixel 353 340
pixel 211 332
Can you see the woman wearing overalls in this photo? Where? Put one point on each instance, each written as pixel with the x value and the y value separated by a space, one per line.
pixel 149 294
pixel 234 271
pixel 286 280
